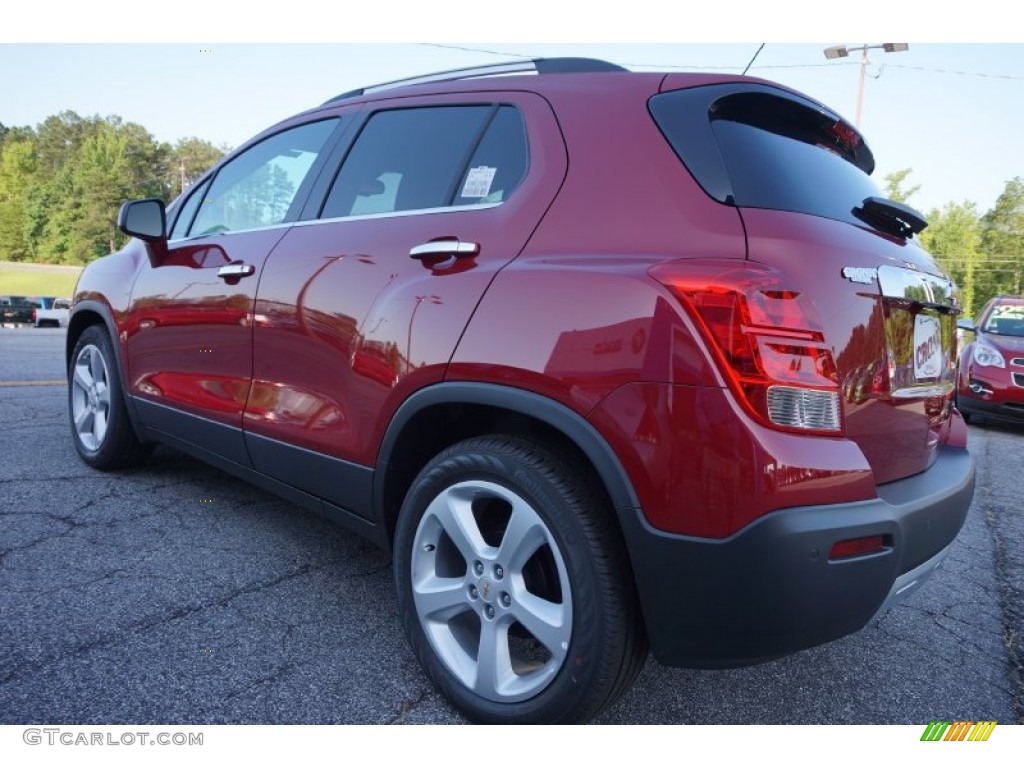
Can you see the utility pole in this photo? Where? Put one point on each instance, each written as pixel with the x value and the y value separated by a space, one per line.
pixel 842 51
pixel 181 167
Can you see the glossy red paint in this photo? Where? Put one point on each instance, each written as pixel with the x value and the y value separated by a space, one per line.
pixel 188 327
pixel 898 436
pixel 591 325
pixel 702 467
pixel 626 192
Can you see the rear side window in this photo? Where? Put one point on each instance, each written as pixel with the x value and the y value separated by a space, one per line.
pixel 431 157
pixel 769 151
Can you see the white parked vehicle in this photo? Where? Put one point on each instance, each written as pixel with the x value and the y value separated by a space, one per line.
pixel 55 318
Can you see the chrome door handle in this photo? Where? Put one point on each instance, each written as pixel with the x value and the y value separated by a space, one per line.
pixel 236 270
pixel 455 248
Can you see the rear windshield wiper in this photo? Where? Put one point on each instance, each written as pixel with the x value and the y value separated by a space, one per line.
pixel 889 216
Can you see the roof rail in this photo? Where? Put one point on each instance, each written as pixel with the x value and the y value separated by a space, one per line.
pixel 564 65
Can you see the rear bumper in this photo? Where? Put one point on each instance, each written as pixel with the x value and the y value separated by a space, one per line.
pixel 770 589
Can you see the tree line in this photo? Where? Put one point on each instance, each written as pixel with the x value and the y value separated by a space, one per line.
pixel 62 182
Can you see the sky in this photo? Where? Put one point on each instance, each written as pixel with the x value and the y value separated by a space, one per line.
pixel 952 112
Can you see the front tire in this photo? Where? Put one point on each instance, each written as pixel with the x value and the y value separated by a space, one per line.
pixel 100 429
pixel 513 584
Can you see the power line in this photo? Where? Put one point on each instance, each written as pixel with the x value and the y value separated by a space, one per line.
pixel 477 50
pixel 751 65
pixel 958 72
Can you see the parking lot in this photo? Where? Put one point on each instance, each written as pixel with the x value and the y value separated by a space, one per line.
pixel 177 594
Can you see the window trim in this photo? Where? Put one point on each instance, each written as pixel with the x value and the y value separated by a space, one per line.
pixel 396 214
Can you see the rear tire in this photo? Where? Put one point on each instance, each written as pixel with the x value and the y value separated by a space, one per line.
pixel 513 584
pixel 100 429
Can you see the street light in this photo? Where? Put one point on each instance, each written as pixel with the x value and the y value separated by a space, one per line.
pixel 842 51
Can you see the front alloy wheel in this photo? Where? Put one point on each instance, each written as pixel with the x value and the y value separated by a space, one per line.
pixel 90 397
pixel 100 429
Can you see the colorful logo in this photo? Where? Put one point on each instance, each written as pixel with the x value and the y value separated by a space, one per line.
pixel 960 730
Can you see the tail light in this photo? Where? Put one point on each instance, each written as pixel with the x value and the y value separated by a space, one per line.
pixel 766 338
pixel 35 316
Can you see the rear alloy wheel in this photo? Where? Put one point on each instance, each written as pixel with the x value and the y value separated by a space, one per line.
pixel 513 586
pixel 100 428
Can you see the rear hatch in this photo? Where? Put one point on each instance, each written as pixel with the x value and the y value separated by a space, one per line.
pixel 800 178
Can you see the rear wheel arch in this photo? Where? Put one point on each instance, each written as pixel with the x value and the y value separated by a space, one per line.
pixel 439 416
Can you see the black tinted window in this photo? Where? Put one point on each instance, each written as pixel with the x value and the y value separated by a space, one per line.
pixel 760 150
pixel 407 159
pixel 769 170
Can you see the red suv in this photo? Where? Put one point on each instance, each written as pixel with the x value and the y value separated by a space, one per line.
pixel 991 381
pixel 609 361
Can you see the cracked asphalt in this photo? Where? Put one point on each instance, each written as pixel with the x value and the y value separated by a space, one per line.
pixel 176 594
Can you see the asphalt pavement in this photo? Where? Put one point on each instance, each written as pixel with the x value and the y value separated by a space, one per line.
pixel 174 593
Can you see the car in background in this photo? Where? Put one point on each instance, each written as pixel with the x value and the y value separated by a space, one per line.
pixel 55 316
pixel 991 380
pixel 18 310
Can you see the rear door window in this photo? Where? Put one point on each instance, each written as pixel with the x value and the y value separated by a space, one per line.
pixel 431 157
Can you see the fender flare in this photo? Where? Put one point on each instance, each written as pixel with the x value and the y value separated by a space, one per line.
pixel 550 412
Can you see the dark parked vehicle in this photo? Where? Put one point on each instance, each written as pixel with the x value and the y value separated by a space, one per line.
pixel 609 361
pixel 19 310
pixel 991 381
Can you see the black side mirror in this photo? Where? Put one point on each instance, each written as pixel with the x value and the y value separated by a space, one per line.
pixel 144 219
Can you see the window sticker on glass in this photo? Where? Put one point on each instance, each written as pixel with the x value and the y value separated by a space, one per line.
pixel 478 181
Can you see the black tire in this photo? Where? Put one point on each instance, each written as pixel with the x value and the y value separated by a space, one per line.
pixel 552 608
pixel 100 429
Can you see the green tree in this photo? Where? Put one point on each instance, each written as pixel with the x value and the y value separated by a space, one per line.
pixel 1003 238
pixel 188 160
pixel 59 136
pixel 953 237
pixel 894 189
pixel 17 171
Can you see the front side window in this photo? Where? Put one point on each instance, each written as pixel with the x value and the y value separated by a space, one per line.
pixel 431 157
pixel 258 188
pixel 188 211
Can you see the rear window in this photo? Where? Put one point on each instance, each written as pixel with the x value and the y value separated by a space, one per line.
pixel 759 149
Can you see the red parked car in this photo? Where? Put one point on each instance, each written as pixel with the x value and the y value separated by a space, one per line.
pixel 991 381
pixel 609 361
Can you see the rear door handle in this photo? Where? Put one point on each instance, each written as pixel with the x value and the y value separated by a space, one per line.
pixel 236 270
pixel 455 248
